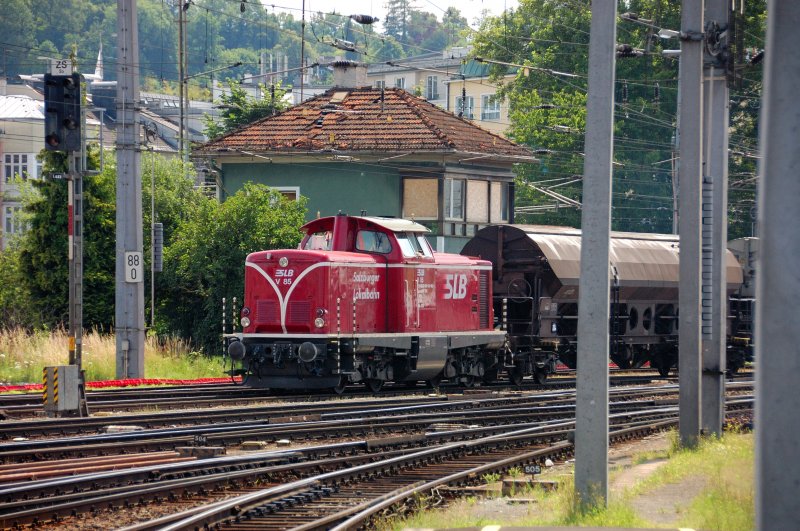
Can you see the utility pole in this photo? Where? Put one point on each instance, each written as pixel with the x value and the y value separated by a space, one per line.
pixel 129 299
pixel 591 428
pixel 690 85
pixel 183 90
pixel 715 219
pixel 777 282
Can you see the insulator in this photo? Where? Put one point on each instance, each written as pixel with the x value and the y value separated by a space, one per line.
pixel 364 19
pixel 656 93
pixel 242 7
pixel 624 92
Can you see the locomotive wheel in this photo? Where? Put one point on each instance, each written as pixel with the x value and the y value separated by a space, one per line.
pixel 340 387
pixel 540 376
pixel 490 376
pixel 663 370
pixel 374 384
pixel 515 376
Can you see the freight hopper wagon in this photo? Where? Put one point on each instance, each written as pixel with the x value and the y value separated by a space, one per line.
pixel 535 282
pixel 365 299
pixel 742 305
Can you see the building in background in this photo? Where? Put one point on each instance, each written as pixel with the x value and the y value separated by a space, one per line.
pixel 382 151
pixel 21 139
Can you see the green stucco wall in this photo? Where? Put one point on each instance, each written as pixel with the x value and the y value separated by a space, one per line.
pixel 349 187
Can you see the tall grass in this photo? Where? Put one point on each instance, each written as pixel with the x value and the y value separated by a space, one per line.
pixel 23 355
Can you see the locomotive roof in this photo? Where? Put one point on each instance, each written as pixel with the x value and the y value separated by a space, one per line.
pixel 636 258
pixel 392 224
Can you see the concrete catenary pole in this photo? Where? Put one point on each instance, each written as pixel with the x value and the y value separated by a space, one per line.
pixel 690 171
pixel 129 300
pixel 778 281
pixel 591 430
pixel 715 218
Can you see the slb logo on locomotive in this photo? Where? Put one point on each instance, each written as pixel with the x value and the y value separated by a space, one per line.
pixel 455 286
pixel 284 276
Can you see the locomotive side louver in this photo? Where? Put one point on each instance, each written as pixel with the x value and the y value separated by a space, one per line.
pixel 483 299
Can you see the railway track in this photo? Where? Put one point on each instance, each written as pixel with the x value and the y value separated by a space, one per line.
pixel 179 481
pixel 17 406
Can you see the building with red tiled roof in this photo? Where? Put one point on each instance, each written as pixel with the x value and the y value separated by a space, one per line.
pixel 383 151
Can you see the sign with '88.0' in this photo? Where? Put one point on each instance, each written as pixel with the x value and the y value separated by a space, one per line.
pixel 134 267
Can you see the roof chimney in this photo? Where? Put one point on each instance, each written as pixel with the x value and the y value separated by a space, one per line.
pixel 349 74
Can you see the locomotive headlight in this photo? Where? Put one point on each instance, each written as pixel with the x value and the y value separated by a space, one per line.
pixel 319 322
pixel 283 261
pixel 554 327
pixel 245 322
pixel 321 312
pixel 245 311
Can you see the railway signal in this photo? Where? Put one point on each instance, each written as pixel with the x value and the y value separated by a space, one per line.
pixel 62 105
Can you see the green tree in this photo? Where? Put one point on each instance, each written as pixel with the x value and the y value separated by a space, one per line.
pixel 43 248
pixel 16 309
pixel 550 38
pixel 205 261
pixel 398 15
pixel 18 33
pixel 239 109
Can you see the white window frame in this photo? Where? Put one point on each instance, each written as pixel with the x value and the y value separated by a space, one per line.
pixel 23 164
pixel 432 88
pixel 285 190
pixel 490 107
pixel 469 108
pixel 450 193
pixel 380 84
pixel 12 224
pixel 400 83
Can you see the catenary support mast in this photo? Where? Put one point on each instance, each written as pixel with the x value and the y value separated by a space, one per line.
pixel 715 218
pixel 129 299
pixel 690 170
pixel 591 431
pixel 778 281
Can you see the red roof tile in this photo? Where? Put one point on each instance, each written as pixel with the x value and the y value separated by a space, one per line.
pixel 365 120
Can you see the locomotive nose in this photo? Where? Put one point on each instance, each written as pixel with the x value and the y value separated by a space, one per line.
pixel 307 352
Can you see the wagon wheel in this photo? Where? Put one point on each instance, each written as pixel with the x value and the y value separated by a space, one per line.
pixel 374 384
pixel 515 376
pixel 471 380
pixel 663 370
pixel 490 376
pixel 340 387
pixel 540 376
pixel 434 382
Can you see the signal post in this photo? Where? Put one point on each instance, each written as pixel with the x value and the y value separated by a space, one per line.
pixel 64 386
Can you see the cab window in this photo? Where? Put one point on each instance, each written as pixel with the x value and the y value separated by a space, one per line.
pixel 413 246
pixel 373 242
pixel 319 241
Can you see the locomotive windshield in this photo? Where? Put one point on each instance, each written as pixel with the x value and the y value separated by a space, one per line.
pixel 319 241
pixel 413 244
pixel 373 242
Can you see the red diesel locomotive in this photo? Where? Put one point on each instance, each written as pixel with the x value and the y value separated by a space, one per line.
pixel 365 299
